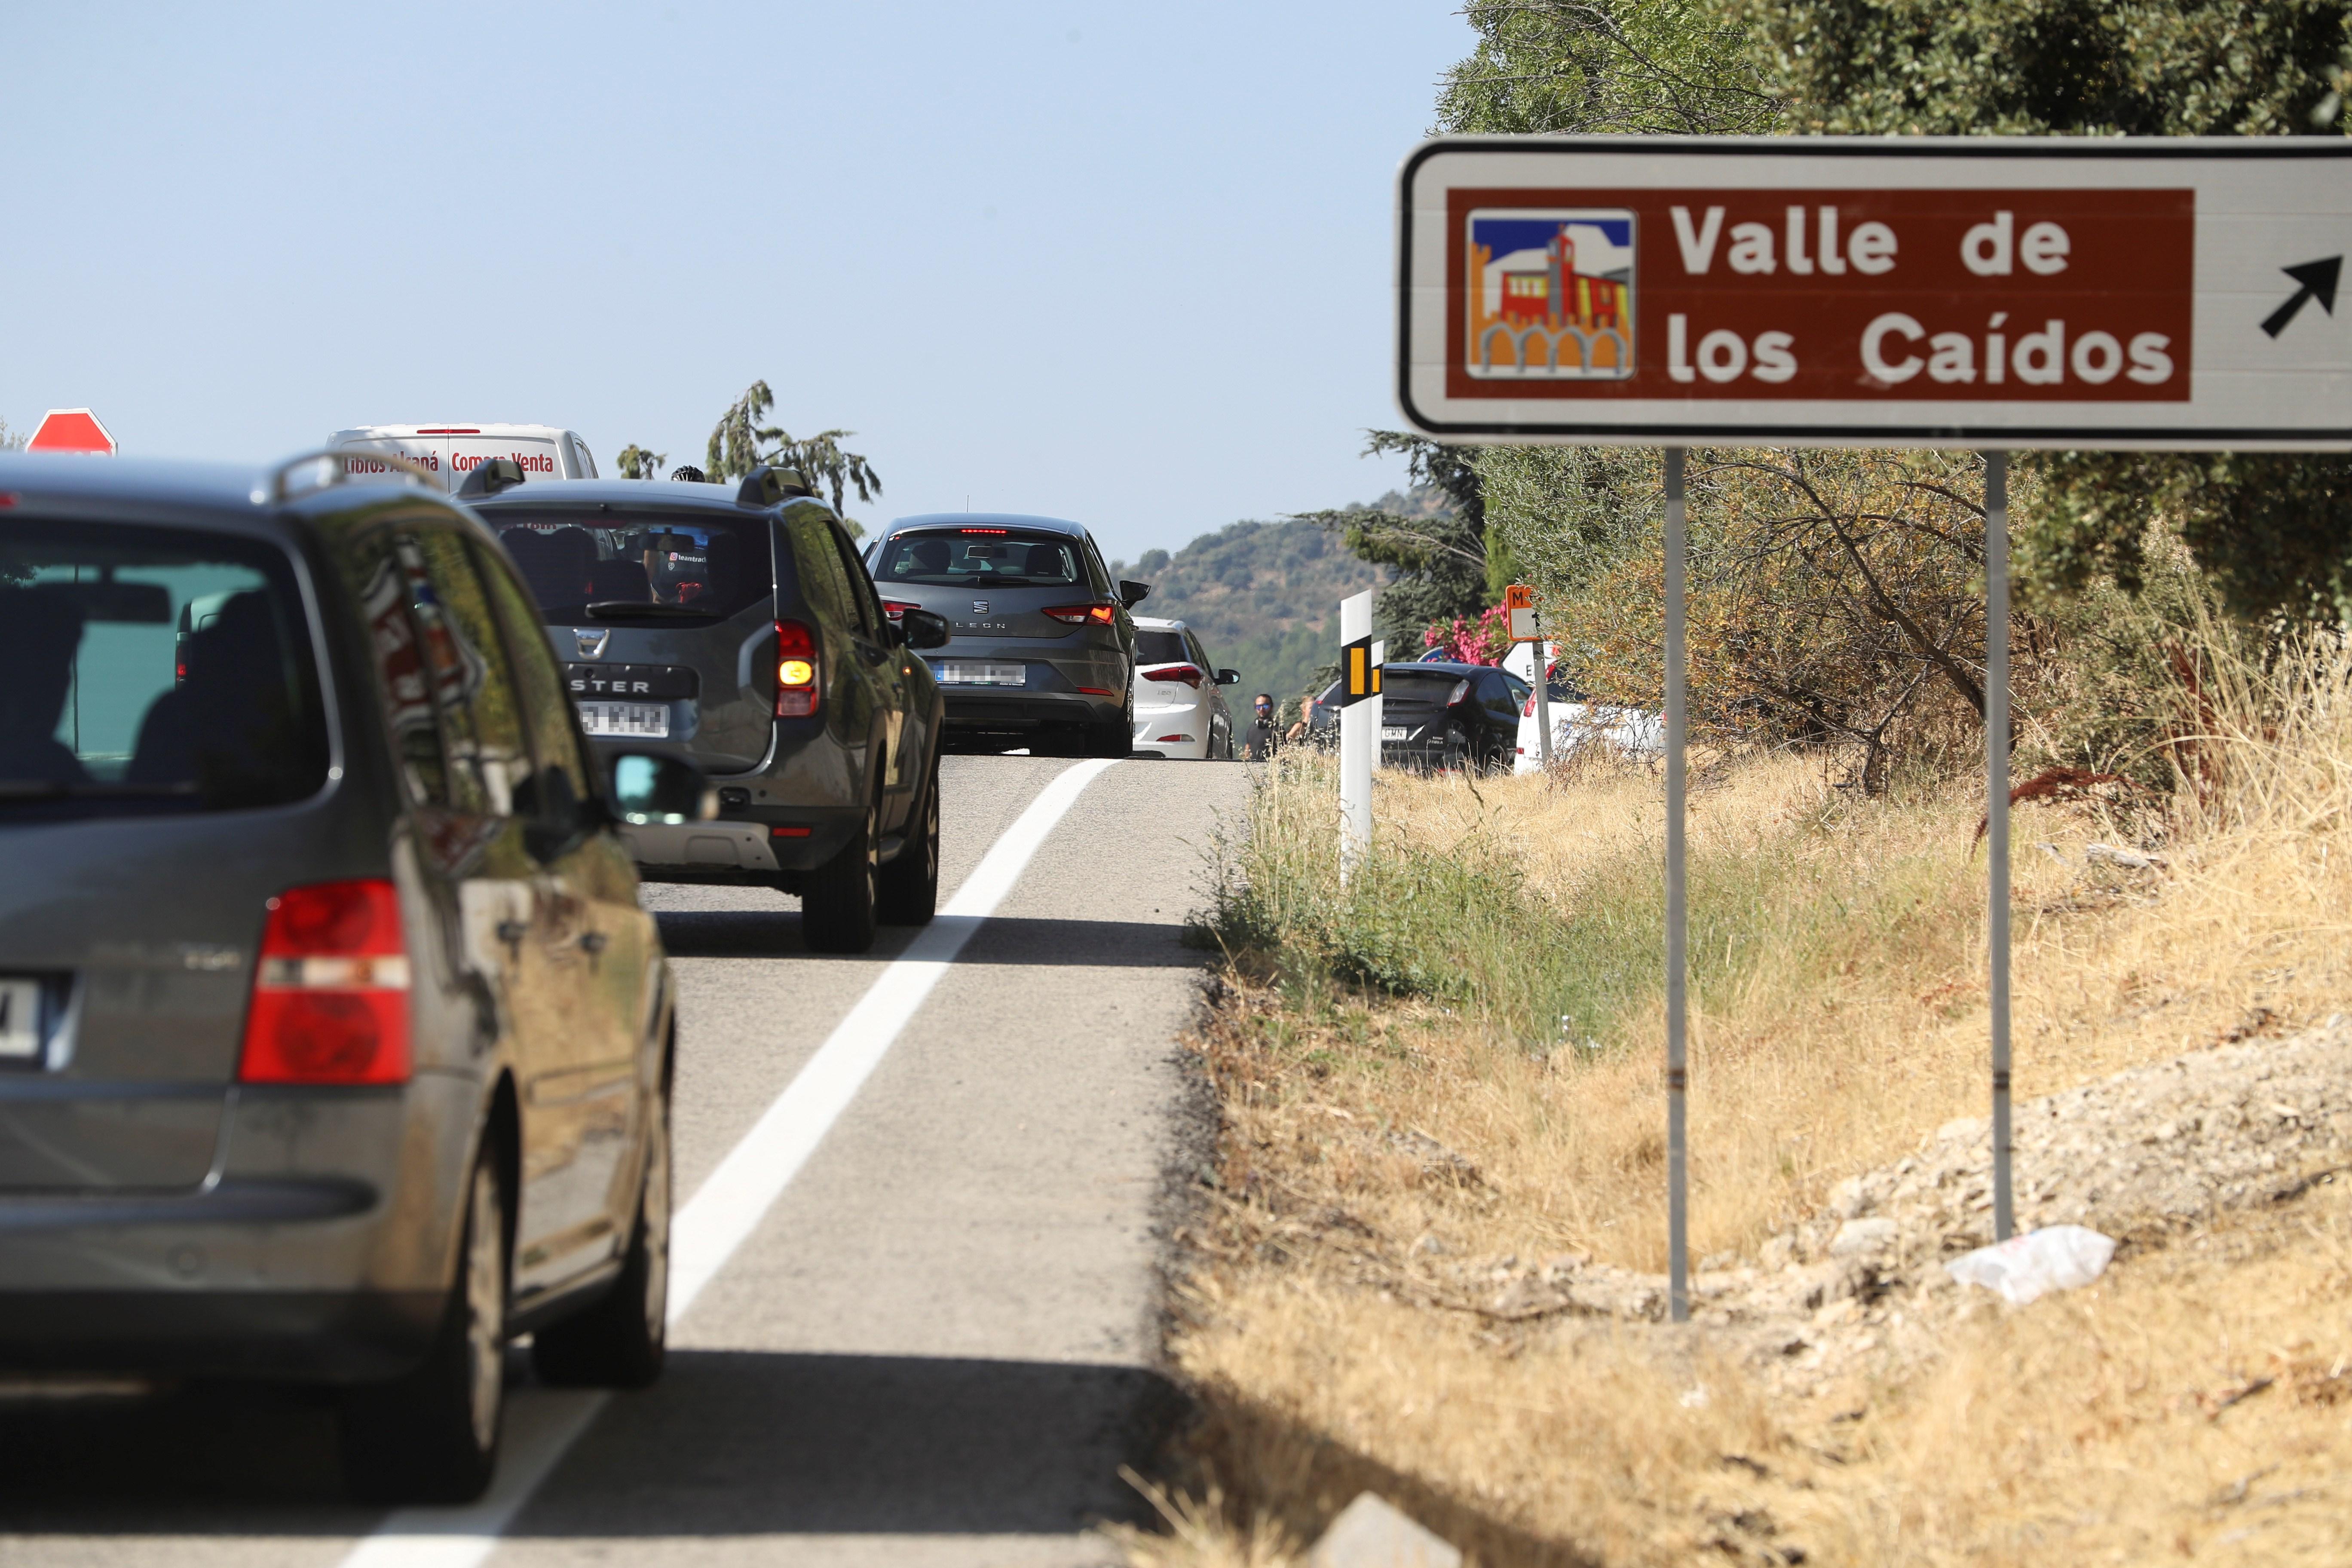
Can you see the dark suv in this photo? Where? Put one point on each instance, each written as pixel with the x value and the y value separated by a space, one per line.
pixel 333 1044
pixel 1440 714
pixel 1043 653
pixel 734 626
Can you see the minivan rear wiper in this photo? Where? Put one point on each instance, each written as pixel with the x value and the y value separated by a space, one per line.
pixel 644 607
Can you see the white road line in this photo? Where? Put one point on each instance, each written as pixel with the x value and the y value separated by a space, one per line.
pixel 727 1207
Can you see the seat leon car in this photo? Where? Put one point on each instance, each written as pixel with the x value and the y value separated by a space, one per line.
pixel 1180 710
pixel 734 627
pixel 333 1044
pixel 1042 651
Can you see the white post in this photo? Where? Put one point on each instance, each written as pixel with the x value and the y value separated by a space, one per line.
pixel 1359 740
pixel 2004 1212
pixel 1677 912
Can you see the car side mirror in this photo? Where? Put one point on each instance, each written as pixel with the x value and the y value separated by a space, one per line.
pixel 925 629
pixel 1229 678
pixel 1132 594
pixel 649 788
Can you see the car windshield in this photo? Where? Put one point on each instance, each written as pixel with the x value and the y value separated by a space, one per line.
pixel 616 566
pixel 152 670
pixel 1160 648
pixel 980 557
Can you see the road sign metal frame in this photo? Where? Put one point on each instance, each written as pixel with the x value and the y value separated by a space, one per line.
pixel 1826 163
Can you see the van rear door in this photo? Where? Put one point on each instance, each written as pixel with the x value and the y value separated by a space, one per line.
pixel 536 455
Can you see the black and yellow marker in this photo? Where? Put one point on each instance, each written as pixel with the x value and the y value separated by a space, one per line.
pixel 1361 676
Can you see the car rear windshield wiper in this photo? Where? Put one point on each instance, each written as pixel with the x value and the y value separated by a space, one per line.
pixel 644 607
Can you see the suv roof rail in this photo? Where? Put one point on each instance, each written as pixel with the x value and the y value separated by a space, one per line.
pixel 764 486
pixel 280 488
pixel 490 476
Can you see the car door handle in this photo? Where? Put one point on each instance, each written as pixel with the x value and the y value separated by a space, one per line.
pixel 594 941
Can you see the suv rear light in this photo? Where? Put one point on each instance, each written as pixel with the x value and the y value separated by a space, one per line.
pixel 1189 674
pixel 330 993
pixel 897 608
pixel 1529 711
pixel 796 671
pixel 1079 615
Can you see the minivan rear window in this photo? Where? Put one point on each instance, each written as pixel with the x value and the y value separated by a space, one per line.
pixel 586 567
pixel 1160 648
pixel 152 670
pixel 980 558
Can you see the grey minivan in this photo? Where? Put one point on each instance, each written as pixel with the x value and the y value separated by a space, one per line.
pixel 1042 651
pixel 333 1044
pixel 735 626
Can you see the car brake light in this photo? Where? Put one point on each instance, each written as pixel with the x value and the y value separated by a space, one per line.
pixel 449 430
pixel 330 993
pixel 1186 739
pixel 1461 690
pixel 897 608
pixel 1079 615
pixel 995 530
pixel 1529 711
pixel 796 672
pixel 1189 674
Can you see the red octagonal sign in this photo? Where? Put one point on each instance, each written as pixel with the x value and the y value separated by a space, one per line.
pixel 71 430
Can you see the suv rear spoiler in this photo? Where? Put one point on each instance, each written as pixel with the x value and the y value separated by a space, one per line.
pixel 764 486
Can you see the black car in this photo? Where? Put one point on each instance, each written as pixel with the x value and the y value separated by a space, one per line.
pixel 734 626
pixel 1042 651
pixel 333 1044
pixel 1441 714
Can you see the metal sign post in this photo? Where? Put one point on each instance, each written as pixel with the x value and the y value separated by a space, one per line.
pixel 1986 293
pixel 1360 729
pixel 2004 1212
pixel 1677 911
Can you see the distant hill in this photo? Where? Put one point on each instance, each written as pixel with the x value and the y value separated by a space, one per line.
pixel 1265 597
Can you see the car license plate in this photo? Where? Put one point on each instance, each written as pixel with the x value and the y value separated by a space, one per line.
pixel 954 674
pixel 1396 732
pixel 648 720
pixel 20 1019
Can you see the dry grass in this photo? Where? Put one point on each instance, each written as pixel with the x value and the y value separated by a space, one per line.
pixel 1838 963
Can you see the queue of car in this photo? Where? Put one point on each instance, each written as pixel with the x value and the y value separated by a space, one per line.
pixel 335 1045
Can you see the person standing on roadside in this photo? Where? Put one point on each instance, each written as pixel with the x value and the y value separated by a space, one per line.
pixel 1260 745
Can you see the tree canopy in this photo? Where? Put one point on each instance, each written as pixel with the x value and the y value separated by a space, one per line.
pixel 740 443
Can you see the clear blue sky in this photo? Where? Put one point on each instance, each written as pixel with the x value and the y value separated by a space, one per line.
pixel 1129 265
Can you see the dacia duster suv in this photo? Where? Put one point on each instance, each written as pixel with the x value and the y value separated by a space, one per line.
pixel 733 626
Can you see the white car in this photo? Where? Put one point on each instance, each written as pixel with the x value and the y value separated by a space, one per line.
pixel 1578 722
pixel 1179 711
pixel 453 452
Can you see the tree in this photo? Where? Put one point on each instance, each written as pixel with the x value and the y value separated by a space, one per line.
pixel 11 440
pixel 2274 530
pixel 1445 564
pixel 740 443
pixel 639 463
pixel 1566 67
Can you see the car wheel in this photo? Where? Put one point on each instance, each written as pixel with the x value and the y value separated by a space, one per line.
pixel 622 1341
pixel 432 1435
pixel 837 902
pixel 1116 738
pixel 910 884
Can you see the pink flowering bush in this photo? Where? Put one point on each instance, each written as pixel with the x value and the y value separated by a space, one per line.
pixel 1482 641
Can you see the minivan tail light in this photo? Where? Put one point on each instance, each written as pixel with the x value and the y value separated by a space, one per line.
pixel 897 608
pixel 1189 674
pixel 331 992
pixel 1079 615
pixel 796 670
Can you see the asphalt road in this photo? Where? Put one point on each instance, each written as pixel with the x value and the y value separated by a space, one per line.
pixel 935 1347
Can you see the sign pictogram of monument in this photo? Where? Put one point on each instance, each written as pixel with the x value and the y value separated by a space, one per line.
pixel 1550 294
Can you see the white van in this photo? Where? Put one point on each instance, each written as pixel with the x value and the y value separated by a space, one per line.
pixel 453 452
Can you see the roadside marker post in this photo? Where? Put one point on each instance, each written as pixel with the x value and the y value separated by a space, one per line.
pixel 1526 624
pixel 1984 293
pixel 1359 726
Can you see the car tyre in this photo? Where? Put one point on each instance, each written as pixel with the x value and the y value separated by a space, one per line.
pixel 909 886
pixel 837 902
pixel 1115 738
pixel 431 1435
pixel 623 1340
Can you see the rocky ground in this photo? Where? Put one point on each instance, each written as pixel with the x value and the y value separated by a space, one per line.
pixel 2140 1156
